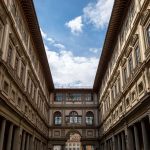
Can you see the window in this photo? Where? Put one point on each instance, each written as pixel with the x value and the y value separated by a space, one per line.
pixel 19 101
pixel 6 87
pixel 57 118
pixel 130 64
pixel 17 64
pixel 140 87
pixel 89 118
pixel 133 95
pixel 9 55
pixel 74 97
pixel 125 74
pixel 119 85
pixel 148 35
pixel 28 82
pixel 120 108
pixel 127 102
pixel 137 55
pixel 74 118
pixel 88 97
pixel 59 97
pixel 22 73
pixel 13 95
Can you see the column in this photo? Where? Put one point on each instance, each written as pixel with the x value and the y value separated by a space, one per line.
pixel 31 147
pixel 136 135
pixel 119 142
pixel 130 141
pixel 123 141
pixel 23 141
pixel 27 143
pixel 63 147
pixel 2 132
pixel 145 136
pixel 9 137
pixel 114 143
pixel 17 138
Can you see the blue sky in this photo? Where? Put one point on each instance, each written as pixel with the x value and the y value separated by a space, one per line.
pixel 73 32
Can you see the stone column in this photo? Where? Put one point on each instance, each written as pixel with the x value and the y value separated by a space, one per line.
pixel 114 143
pixel 119 142
pixel 2 132
pixel 130 141
pixel 145 136
pixel 62 147
pixel 123 141
pixel 23 141
pixel 31 147
pixel 17 138
pixel 27 143
pixel 9 137
pixel 136 135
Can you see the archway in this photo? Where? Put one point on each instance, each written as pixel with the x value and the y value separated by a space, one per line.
pixel 73 142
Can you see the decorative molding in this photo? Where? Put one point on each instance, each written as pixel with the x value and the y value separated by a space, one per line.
pixel 133 40
pixel 3 16
pixel 123 61
pixel 130 48
pixel 145 16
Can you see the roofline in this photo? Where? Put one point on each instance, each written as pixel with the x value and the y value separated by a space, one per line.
pixel 33 25
pixel 73 89
pixel 114 26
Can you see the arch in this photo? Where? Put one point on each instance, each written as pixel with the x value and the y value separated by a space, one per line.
pixel 89 118
pixel 73 131
pixel 73 140
pixel 57 118
pixel 73 117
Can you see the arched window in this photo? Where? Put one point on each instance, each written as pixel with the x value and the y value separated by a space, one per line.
pixel 74 118
pixel 57 118
pixel 89 118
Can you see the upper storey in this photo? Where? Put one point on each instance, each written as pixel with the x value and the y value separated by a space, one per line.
pixel 24 20
pixel 73 96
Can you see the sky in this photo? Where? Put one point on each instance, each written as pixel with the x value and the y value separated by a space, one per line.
pixel 73 33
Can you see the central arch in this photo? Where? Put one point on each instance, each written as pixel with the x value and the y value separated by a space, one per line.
pixel 73 140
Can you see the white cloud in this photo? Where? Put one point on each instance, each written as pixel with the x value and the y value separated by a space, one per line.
pixel 44 35
pixel 75 25
pixel 60 46
pixel 98 13
pixel 50 40
pixel 94 50
pixel 70 70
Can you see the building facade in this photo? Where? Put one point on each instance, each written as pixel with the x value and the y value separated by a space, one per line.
pixel 25 83
pixel 113 115
pixel 124 86
pixel 73 111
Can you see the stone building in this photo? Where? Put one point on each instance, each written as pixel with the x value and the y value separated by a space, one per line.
pixel 25 79
pixel 113 115
pixel 123 87
pixel 73 111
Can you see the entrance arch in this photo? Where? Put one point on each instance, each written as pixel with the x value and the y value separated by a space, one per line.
pixel 73 141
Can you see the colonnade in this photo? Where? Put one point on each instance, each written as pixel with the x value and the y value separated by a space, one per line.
pixel 13 137
pixel 135 137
